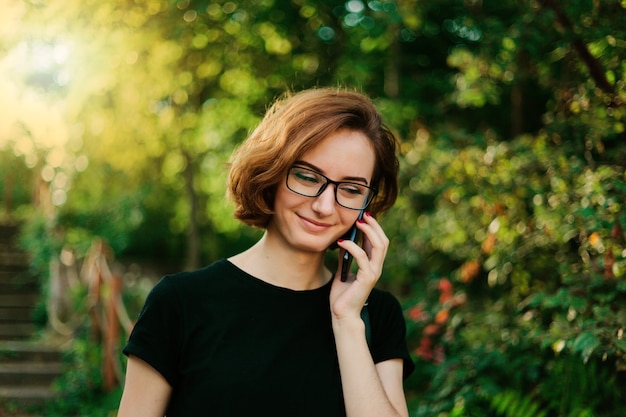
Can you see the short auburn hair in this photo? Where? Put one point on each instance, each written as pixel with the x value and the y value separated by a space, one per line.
pixel 293 125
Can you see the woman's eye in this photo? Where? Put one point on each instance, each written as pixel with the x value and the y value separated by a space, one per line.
pixel 302 176
pixel 352 189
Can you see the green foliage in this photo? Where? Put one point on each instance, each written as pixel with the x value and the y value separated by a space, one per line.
pixel 511 404
pixel 573 388
pixel 36 238
pixel 15 189
pixel 529 277
pixel 114 222
pixel 79 390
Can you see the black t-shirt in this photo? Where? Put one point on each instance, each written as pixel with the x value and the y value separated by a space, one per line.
pixel 232 345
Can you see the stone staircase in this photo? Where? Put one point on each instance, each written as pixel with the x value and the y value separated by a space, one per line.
pixel 28 365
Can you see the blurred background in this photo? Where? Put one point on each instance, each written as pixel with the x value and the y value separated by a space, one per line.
pixel 508 252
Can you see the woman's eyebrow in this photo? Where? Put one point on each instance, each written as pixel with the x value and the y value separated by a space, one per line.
pixel 321 171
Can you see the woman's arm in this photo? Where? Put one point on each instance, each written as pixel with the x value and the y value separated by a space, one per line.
pixel 390 373
pixel 368 389
pixel 146 391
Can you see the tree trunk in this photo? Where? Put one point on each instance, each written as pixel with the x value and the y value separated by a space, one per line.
pixel 9 183
pixel 192 260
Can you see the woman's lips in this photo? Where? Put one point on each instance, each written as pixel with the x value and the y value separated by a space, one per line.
pixel 313 225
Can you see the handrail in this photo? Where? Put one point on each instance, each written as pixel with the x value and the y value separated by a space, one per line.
pixel 103 303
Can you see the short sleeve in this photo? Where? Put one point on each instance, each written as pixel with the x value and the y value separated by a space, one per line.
pixel 156 337
pixel 388 330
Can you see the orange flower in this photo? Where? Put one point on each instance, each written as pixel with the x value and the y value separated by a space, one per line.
pixel 488 244
pixel 469 270
pixel 442 316
pixel 431 329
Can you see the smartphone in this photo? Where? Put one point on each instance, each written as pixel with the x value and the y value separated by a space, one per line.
pixel 347 258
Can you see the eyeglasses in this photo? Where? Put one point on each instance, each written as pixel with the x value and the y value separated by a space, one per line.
pixel 310 183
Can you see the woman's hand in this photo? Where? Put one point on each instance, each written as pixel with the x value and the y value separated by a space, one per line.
pixel 347 298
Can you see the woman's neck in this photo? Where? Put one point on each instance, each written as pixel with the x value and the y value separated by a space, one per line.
pixel 283 266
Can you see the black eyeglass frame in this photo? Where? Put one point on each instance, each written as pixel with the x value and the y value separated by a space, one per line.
pixel 372 191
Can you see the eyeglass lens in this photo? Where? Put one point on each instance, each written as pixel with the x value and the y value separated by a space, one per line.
pixel 309 183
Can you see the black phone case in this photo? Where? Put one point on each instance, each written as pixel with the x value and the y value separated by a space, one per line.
pixel 347 258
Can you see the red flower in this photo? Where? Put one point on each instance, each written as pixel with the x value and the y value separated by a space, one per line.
pixel 416 313
pixel 425 350
pixel 446 288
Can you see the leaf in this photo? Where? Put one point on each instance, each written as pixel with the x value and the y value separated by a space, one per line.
pixel 585 343
pixel 621 345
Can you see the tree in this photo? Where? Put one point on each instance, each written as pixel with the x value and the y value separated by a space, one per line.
pixel 519 231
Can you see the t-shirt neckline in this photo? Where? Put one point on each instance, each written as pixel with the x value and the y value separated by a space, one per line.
pixel 240 273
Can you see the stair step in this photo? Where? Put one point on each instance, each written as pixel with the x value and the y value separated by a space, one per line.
pixel 16 314
pixel 29 373
pixel 17 331
pixel 18 282
pixel 19 300
pixel 19 288
pixel 14 259
pixel 8 229
pixel 9 243
pixel 25 396
pixel 28 351
pixel 8 239
pixel 14 269
pixel 17 277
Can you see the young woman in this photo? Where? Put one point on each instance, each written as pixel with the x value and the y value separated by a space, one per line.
pixel 272 331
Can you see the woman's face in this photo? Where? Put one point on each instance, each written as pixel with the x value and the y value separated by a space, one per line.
pixel 314 223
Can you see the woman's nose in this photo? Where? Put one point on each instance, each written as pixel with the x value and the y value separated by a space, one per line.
pixel 324 203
